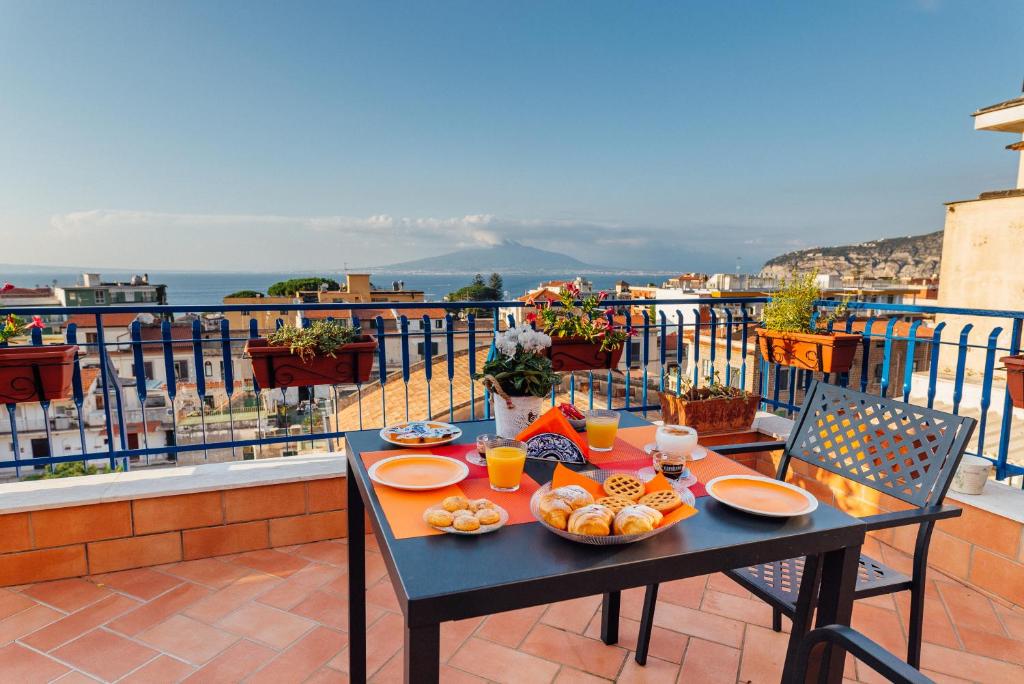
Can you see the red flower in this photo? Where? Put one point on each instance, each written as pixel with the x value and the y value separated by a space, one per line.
pixel 631 331
pixel 602 295
pixel 37 322
pixel 531 317
pixel 7 287
pixel 609 311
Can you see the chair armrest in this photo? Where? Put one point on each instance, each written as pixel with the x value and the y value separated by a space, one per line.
pixel 861 648
pixel 911 517
pixel 727 449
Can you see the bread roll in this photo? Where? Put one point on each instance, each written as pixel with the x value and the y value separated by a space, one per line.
pixel 593 519
pixel 574 495
pixel 636 519
pixel 554 511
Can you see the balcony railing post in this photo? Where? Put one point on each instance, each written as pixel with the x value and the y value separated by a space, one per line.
pixel 1007 421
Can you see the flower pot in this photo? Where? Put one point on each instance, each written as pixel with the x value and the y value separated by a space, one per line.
pixel 510 421
pixel 822 352
pixel 32 373
pixel 276 366
pixel 1015 378
pixel 971 475
pixel 579 354
pixel 708 416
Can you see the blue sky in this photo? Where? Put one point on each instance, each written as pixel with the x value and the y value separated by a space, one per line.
pixel 664 135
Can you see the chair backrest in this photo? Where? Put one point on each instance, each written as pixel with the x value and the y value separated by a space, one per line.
pixel 902 450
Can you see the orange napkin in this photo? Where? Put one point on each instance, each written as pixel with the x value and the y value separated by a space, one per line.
pixel 553 422
pixel 565 476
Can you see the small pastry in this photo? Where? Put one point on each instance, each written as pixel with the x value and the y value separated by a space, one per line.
pixel 623 485
pixel 488 516
pixel 439 518
pixel 636 520
pixel 455 503
pixel 466 523
pixel 555 511
pixel 593 520
pixel 574 495
pixel 480 504
pixel 663 501
pixel 615 502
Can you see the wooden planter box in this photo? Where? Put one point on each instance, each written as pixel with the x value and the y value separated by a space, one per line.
pixel 1015 378
pixel 33 373
pixel 822 352
pixel 579 354
pixel 708 416
pixel 276 366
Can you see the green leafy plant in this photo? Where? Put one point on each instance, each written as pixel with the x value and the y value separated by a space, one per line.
pixel 322 338
pixel 588 320
pixel 72 469
pixel 288 288
pixel 791 308
pixel 714 389
pixel 247 294
pixel 478 291
pixel 520 368
pixel 15 326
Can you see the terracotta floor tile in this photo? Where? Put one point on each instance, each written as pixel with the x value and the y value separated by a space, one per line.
pixel 720 582
pixel 233 664
pixel 384 638
pixel 25 666
pixel 275 628
pixel 212 572
pixel 568 675
pixel 231 598
pixel 79 622
pixel 454 634
pixel 969 608
pixel 162 670
pixel 701 625
pixel 944 678
pixel 752 610
pixel 285 595
pixel 764 654
pixel 1013 622
pixel 573 615
pixel 304 658
pixel 880 625
pixel 331 610
pixel 104 654
pixel 685 592
pixel 579 652
pixel 654 672
pixel 329 552
pixel 707 661
pixel 632 603
pixel 26 622
pixel 375 568
pixel 141 583
pixel 993 645
pixel 271 562
pixel 937 627
pixel 316 575
pixel 187 639
pixel 383 594
pixel 159 609
pixel 969 666
pixel 76 677
pixel 502 664
pixel 68 595
pixel 510 628
pixel 665 644
pixel 12 602
pixel 326 675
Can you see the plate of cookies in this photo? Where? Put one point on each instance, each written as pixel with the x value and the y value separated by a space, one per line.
pixel 618 508
pixel 420 433
pixel 461 515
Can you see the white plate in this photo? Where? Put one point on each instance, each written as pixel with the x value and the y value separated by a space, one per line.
pixel 697 454
pixel 484 529
pixel 463 472
pixel 812 503
pixel 421 445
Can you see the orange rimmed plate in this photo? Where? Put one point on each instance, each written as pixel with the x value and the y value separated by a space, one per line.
pixel 418 472
pixel 761 496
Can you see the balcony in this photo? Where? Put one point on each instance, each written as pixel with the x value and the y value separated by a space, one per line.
pixel 219 548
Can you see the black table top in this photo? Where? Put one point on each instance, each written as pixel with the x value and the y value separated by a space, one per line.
pixel 447 577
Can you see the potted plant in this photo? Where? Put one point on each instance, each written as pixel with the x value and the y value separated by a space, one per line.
pixel 33 372
pixel 709 409
pixel 1015 378
pixel 520 376
pixel 325 353
pixel 789 337
pixel 582 337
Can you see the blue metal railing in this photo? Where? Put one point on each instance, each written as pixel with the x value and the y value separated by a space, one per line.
pixel 695 340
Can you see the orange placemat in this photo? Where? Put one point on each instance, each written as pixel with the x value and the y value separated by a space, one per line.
pixel 404 509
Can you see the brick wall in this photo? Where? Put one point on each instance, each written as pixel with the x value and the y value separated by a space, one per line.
pixel 87 540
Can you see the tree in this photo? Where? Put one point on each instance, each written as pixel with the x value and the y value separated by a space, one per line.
pixel 287 288
pixel 248 294
pixel 478 291
pixel 497 284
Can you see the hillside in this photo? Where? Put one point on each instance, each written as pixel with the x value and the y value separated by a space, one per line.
pixel 508 257
pixel 914 256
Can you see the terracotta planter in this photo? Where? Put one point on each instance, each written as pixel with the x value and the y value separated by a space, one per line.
pixel 708 416
pixel 579 354
pixel 822 352
pixel 276 366
pixel 1015 378
pixel 33 373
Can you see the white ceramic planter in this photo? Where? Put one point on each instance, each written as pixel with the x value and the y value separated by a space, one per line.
pixel 971 476
pixel 509 422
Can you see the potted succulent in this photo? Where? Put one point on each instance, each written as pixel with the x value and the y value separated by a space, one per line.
pixel 709 409
pixel 33 372
pixel 1015 378
pixel 582 337
pixel 325 353
pixel 520 376
pixel 789 336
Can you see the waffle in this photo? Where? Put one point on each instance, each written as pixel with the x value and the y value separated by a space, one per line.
pixel 663 501
pixel 615 502
pixel 623 485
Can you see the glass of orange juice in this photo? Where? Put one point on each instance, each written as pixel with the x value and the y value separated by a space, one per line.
pixel 505 461
pixel 602 424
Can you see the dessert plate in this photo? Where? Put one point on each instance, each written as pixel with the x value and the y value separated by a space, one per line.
pixel 420 433
pixel 484 529
pixel 761 496
pixel 418 472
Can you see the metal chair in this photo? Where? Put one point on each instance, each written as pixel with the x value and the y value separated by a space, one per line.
pixel 905 451
pixel 861 648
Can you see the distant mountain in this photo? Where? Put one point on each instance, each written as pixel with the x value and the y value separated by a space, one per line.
pixel 914 256
pixel 508 257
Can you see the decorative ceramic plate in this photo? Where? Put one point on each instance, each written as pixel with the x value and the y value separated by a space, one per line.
pixel 761 495
pixel 697 454
pixel 418 472
pixel 420 433
pixel 484 529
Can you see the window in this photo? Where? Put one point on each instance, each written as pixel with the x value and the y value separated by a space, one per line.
pixel 100 403
pixel 147 367
pixel 101 296
pixel 634 354
pixel 438 323
pixel 877 374
pixel 181 370
pixel 91 338
pixel 208 368
pixel 783 381
pixel 222 370
pixel 433 349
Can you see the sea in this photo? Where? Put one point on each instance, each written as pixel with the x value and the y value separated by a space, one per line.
pixel 200 288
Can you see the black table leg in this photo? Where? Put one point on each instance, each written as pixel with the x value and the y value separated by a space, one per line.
pixel 422 654
pixel 610 617
pixel 356 584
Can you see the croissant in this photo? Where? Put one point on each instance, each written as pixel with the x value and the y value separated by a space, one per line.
pixel 636 519
pixel 554 511
pixel 593 519
pixel 574 495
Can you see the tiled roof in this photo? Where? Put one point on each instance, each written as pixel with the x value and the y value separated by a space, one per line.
pixel 120 319
pixel 89 376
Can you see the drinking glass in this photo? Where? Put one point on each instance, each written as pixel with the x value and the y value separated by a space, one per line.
pixel 505 461
pixel 477 455
pixel 602 424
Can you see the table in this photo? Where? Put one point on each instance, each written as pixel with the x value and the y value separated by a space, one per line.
pixel 450 577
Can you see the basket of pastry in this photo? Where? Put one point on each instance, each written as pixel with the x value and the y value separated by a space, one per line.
pixel 608 507
pixel 460 515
